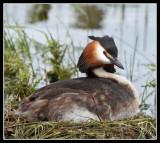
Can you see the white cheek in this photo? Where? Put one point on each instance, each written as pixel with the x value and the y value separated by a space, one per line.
pixel 100 56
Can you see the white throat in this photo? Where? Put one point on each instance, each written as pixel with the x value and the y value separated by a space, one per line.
pixel 100 72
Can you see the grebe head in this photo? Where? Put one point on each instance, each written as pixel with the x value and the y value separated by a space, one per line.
pixel 101 52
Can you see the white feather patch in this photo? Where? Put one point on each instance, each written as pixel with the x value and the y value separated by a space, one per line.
pixel 77 114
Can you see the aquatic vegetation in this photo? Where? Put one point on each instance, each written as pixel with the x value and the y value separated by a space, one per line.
pixel 151 85
pixel 17 73
pixel 21 78
pixel 59 70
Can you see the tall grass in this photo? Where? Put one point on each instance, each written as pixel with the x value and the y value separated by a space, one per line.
pixel 21 77
pixel 151 86
pixel 60 69
pixel 18 72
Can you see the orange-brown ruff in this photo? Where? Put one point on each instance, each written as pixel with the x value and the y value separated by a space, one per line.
pixel 102 96
pixel 89 55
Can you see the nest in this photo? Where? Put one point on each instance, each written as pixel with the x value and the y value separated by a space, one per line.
pixel 138 127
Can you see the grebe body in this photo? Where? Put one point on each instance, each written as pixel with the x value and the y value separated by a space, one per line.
pixel 103 95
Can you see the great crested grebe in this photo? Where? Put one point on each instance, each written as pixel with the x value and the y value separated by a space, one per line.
pixel 102 95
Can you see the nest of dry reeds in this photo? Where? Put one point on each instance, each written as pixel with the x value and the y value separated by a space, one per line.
pixel 138 127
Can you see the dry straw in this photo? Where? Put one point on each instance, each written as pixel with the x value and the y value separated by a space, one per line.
pixel 139 127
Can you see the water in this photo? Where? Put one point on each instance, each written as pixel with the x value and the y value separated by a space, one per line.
pixel 131 26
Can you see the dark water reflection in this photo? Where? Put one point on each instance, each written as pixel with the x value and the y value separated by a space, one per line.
pixel 88 16
pixel 38 13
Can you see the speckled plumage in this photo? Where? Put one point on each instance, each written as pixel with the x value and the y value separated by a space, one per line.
pixel 57 98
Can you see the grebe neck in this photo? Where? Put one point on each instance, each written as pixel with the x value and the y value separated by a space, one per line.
pixel 100 72
pixel 106 68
